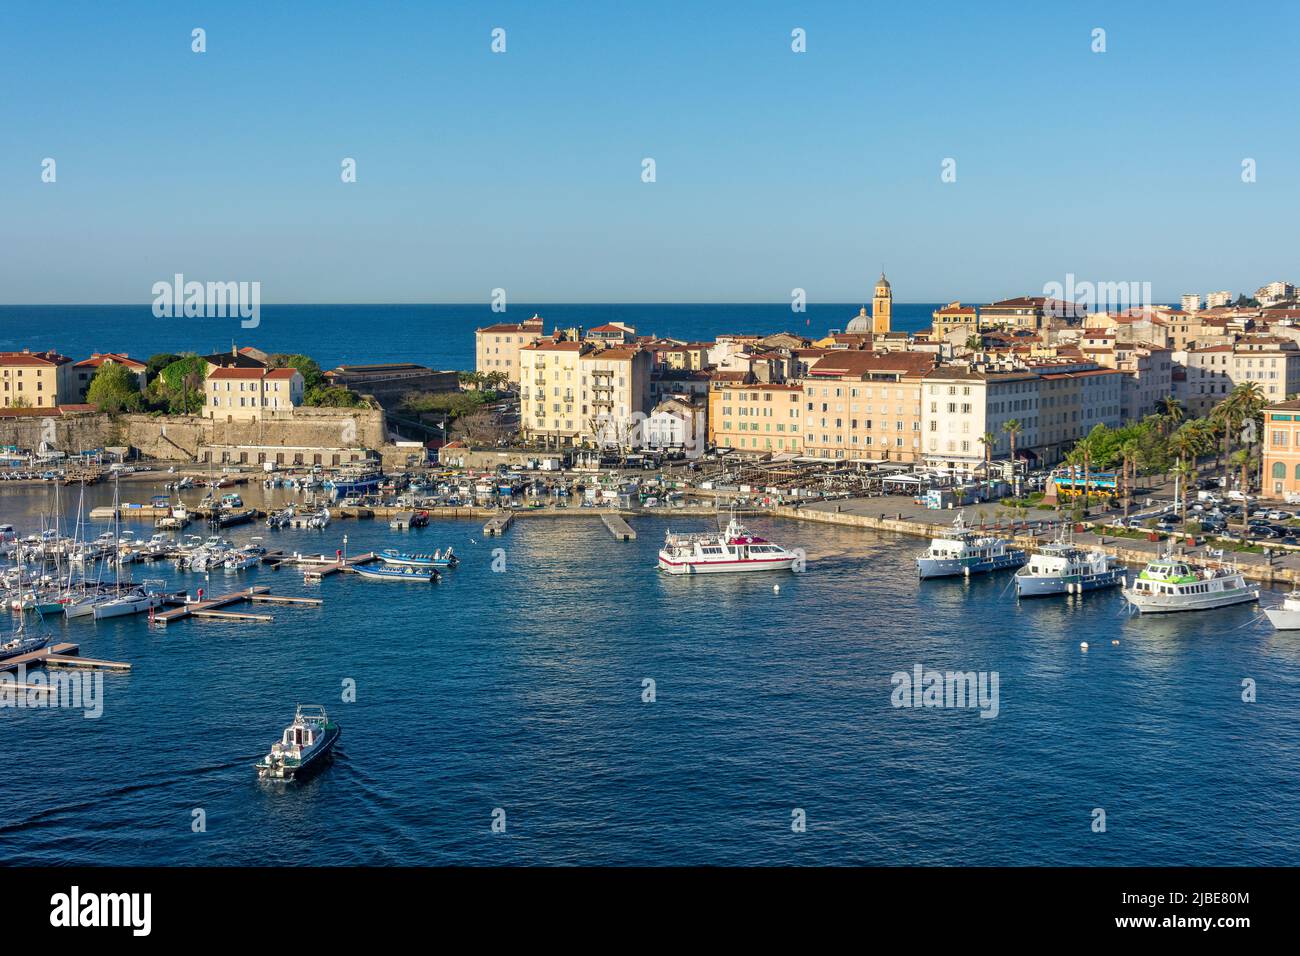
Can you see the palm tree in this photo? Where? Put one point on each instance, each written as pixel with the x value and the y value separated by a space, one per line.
pixel 1241 459
pixel 988 440
pixel 1014 427
pixel 1172 411
pixel 1128 452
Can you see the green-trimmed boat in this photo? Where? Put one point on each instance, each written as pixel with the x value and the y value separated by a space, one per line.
pixel 1169 585
pixel 305 746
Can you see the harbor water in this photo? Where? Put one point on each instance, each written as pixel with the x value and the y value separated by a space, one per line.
pixel 516 690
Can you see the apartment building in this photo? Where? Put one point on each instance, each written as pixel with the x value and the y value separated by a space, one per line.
pixel 1073 398
pixel 865 406
pixel 614 395
pixel 678 423
pixel 756 417
pixel 954 319
pixel 960 403
pixel 37 380
pixel 496 347
pixel 551 408
pixel 1191 302
pixel 247 394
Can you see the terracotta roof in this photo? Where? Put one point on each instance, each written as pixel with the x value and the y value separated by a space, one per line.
pixel 121 358
pixel 29 358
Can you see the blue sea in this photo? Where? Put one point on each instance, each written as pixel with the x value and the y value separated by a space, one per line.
pixel 520 692
pixel 439 336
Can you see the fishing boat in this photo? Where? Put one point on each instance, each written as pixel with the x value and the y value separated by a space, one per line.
pixel 1286 616
pixel 438 559
pixel 1062 568
pixel 420 575
pixel 966 552
pixel 228 519
pixel 244 558
pixel 1168 584
pixel 731 550
pixel 304 747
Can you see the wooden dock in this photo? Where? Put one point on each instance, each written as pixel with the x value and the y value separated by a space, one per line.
pixel 326 567
pixel 60 655
pixel 214 608
pixel 618 527
pixel 498 524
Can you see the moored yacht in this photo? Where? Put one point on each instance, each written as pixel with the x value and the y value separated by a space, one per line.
pixel 305 745
pixel 1286 616
pixel 964 552
pixel 1062 568
pixel 1168 585
pixel 730 550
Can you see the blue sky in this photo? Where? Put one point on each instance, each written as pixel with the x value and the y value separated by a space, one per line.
pixel 522 170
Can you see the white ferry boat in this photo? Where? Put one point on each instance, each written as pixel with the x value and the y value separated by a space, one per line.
pixel 730 550
pixel 967 552
pixel 1286 616
pixel 1063 568
pixel 1169 585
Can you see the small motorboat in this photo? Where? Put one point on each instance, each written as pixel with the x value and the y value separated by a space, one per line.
pixel 438 559
pixel 419 575
pixel 305 746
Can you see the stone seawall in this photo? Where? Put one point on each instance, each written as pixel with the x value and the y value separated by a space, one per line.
pixel 1253 567
pixel 188 438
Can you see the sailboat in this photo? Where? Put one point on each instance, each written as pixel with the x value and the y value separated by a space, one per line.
pixel 21 642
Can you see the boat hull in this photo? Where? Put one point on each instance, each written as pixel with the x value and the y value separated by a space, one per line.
pixel 1067 584
pixel 1282 619
pixel 121 608
pixel 423 576
pixel 731 566
pixel 956 567
pixel 1172 604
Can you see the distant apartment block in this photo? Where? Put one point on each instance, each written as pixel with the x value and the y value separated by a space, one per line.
pixel 759 418
pixel 37 380
pixel 496 347
pixel 1191 302
pixel 1216 300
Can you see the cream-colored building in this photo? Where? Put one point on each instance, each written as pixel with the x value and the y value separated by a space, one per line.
pixel 954 318
pixel 756 418
pixel 496 347
pixel 865 406
pixel 84 371
pixel 247 394
pixel 36 380
pixel 577 393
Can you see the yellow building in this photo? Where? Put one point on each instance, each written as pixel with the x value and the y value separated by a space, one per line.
pixel 36 380
pixel 953 317
pixel 550 387
pixel 755 418
pixel 496 347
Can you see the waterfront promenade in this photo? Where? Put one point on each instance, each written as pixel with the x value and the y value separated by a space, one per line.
pixel 898 514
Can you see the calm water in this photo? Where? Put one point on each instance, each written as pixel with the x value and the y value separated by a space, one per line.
pixel 522 690
pixel 440 336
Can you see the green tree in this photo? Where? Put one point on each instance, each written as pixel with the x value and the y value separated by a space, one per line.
pixel 312 376
pixel 115 389
pixel 332 396
pixel 179 385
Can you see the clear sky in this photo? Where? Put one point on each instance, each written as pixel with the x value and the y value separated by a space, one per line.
pixel 522 170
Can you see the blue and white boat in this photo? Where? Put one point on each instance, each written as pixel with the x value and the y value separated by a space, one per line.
pixel 418 575
pixel 355 482
pixel 438 559
pixel 1063 568
pixel 964 552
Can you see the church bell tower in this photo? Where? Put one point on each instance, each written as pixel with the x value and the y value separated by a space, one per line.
pixel 882 305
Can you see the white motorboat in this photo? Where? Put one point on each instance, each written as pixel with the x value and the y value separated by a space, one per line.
pixel 1062 568
pixel 965 552
pixel 134 601
pixel 305 745
pixel 1286 616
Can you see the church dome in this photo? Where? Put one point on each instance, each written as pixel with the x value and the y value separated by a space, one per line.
pixel 883 282
pixel 860 322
